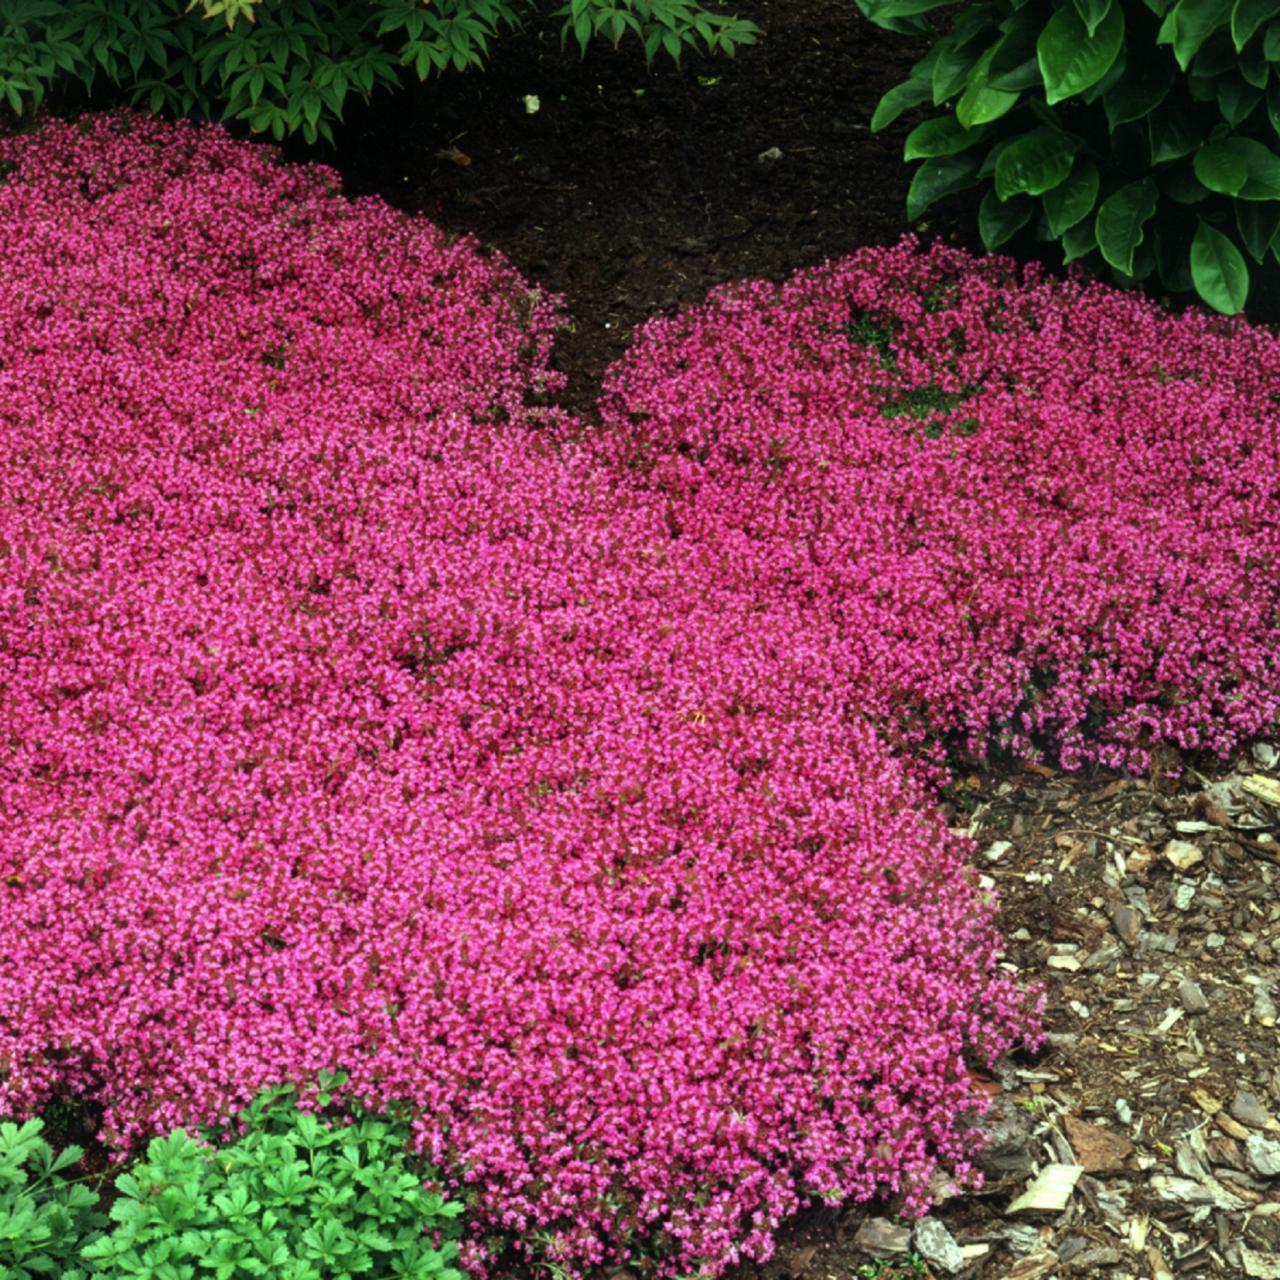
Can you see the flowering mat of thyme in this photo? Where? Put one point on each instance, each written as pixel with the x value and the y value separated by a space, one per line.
pixel 577 780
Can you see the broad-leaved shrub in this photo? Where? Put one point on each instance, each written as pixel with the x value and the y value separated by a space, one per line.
pixel 355 714
pixel 1143 135
pixel 290 66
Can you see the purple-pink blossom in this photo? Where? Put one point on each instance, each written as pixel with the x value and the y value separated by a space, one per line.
pixel 550 776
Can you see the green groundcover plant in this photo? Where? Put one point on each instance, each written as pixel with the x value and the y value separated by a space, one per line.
pixel 290 66
pixel 1139 134
pixel 292 1194
pixel 46 1213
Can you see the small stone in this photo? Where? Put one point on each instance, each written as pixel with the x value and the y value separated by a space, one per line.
pixel 937 1246
pixel 1192 997
pixel 1214 941
pixel 1127 922
pixel 997 849
pixel 1266 754
pixel 1067 963
pixel 1246 1108
pixel 1263 1155
pixel 1182 854
pixel 769 157
pixel 1264 1007
pixel 1124 1111
pixel 1007 1134
pixel 1103 959
pixel 1153 941
pixel 882 1239
pixel 1184 895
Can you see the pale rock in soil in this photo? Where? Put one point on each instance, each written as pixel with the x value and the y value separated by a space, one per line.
pixel 1182 854
pixel 1246 1108
pixel 1264 1007
pixel 937 1246
pixel 1262 1266
pixel 1263 1155
pixel 1192 997
pixel 882 1239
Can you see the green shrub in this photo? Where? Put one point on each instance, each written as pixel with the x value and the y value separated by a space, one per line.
pixel 286 66
pixel 297 1197
pixel 1137 133
pixel 45 1218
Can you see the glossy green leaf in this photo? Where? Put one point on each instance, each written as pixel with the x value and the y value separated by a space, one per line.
pixel 1271 43
pixel 1079 241
pixel 1121 219
pixel 1092 12
pixel 1247 16
pixel 951 69
pixel 1236 99
pixel 999 221
pixel 1174 132
pixel 1072 200
pixel 980 104
pixel 1014 66
pixel 1258 224
pixel 939 177
pixel 1034 163
pixel 1070 60
pixel 1189 24
pixel 1218 270
pixel 1221 168
pixel 902 97
pixel 941 136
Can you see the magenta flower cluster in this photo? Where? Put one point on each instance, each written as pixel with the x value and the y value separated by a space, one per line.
pixel 1037 515
pixel 359 715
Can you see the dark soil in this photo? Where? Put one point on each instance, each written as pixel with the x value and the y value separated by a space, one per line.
pixel 632 192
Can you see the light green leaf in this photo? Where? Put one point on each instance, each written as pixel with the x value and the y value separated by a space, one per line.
pixel 1218 270
pixel 939 177
pixel 1247 16
pixel 999 221
pixel 1070 59
pixel 1121 219
pixel 1258 224
pixel 902 97
pixel 1189 24
pixel 941 136
pixel 1092 12
pixel 1221 168
pixel 1034 163
pixel 980 104
pixel 1073 198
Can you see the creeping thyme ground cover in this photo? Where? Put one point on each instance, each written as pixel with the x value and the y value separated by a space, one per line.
pixel 550 777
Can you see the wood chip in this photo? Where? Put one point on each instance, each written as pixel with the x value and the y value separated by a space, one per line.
pixel 1206 1102
pixel 1267 789
pixel 1098 1150
pixel 1050 1191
